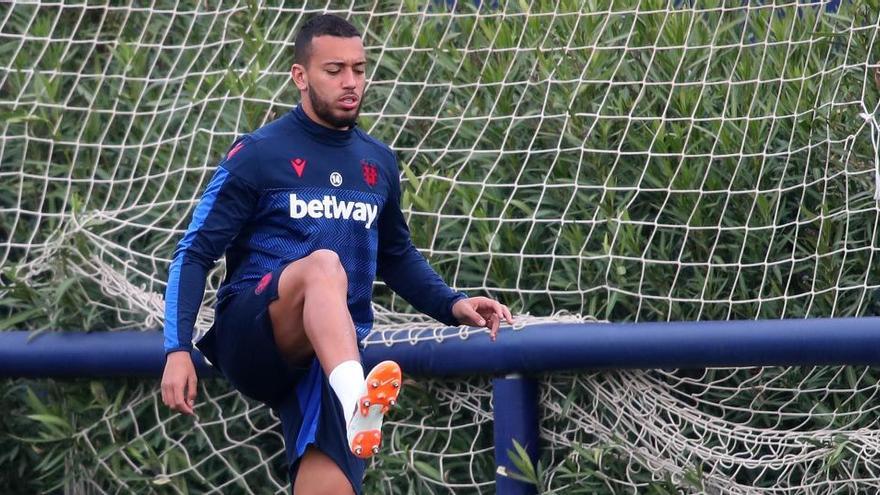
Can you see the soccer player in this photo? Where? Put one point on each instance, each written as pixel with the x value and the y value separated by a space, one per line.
pixel 307 211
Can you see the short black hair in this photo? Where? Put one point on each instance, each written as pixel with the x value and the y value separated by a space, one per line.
pixel 322 25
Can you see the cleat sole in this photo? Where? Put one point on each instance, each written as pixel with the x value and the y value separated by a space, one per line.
pixel 384 379
pixel 366 443
pixel 384 382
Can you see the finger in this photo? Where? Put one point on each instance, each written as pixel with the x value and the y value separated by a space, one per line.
pixel 191 389
pixel 499 313
pixel 493 327
pixel 179 402
pixel 169 396
pixel 173 400
pixel 507 315
pixel 184 403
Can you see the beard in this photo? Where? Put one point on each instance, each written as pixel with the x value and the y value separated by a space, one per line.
pixel 324 110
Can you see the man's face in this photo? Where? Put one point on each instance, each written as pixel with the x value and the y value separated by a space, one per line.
pixel 333 80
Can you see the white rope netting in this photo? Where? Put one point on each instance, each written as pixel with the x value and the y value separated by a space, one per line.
pixel 636 160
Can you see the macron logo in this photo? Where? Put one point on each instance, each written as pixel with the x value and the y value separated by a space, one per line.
pixel 330 207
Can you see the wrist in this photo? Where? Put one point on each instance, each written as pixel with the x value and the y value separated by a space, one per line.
pixel 178 354
pixel 459 297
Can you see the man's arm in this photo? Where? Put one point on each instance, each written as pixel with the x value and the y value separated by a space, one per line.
pixel 408 274
pixel 227 202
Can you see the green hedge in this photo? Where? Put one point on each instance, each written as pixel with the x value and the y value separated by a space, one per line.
pixel 705 164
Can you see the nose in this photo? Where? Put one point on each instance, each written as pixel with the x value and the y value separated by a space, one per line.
pixel 349 80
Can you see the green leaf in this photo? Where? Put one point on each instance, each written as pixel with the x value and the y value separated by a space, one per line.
pixel 15 319
pixel 428 470
pixel 526 471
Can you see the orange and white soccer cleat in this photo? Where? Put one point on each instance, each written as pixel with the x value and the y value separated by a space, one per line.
pixel 365 428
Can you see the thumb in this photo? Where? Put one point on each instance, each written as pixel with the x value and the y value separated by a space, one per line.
pixel 472 316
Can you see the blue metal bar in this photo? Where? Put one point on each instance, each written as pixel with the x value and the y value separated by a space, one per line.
pixel 515 409
pixel 86 354
pixel 538 348
pixel 555 347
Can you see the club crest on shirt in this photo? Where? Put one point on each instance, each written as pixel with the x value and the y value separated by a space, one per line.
pixel 370 171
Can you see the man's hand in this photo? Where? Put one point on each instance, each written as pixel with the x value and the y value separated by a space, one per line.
pixel 482 312
pixel 179 382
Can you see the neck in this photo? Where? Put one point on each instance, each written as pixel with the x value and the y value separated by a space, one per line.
pixel 310 113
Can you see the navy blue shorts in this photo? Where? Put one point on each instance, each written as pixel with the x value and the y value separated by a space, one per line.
pixel 241 345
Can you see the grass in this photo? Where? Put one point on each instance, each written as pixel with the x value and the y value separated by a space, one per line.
pixel 626 163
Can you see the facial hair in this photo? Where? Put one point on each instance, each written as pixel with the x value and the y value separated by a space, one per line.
pixel 324 110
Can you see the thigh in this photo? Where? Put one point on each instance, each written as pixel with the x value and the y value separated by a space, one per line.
pixel 286 314
pixel 318 474
pixel 305 287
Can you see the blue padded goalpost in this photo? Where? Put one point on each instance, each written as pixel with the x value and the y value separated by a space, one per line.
pixel 515 356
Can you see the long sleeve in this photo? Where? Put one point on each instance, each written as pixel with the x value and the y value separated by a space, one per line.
pixel 405 270
pixel 226 204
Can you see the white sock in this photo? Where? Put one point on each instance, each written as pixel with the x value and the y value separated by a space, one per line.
pixel 347 380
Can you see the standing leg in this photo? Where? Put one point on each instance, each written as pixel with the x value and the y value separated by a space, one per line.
pixel 319 475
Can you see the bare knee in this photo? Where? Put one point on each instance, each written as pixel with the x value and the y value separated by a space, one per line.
pixel 324 265
pixel 318 474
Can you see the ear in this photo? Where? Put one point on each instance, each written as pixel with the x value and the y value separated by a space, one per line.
pixel 298 74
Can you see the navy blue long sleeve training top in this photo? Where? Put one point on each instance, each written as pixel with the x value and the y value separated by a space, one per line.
pixel 286 190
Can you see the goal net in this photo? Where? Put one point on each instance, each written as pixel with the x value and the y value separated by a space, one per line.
pixel 635 160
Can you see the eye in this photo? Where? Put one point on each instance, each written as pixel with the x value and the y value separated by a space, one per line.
pixel 333 71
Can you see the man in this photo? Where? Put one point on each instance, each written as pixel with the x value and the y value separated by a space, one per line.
pixel 307 210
